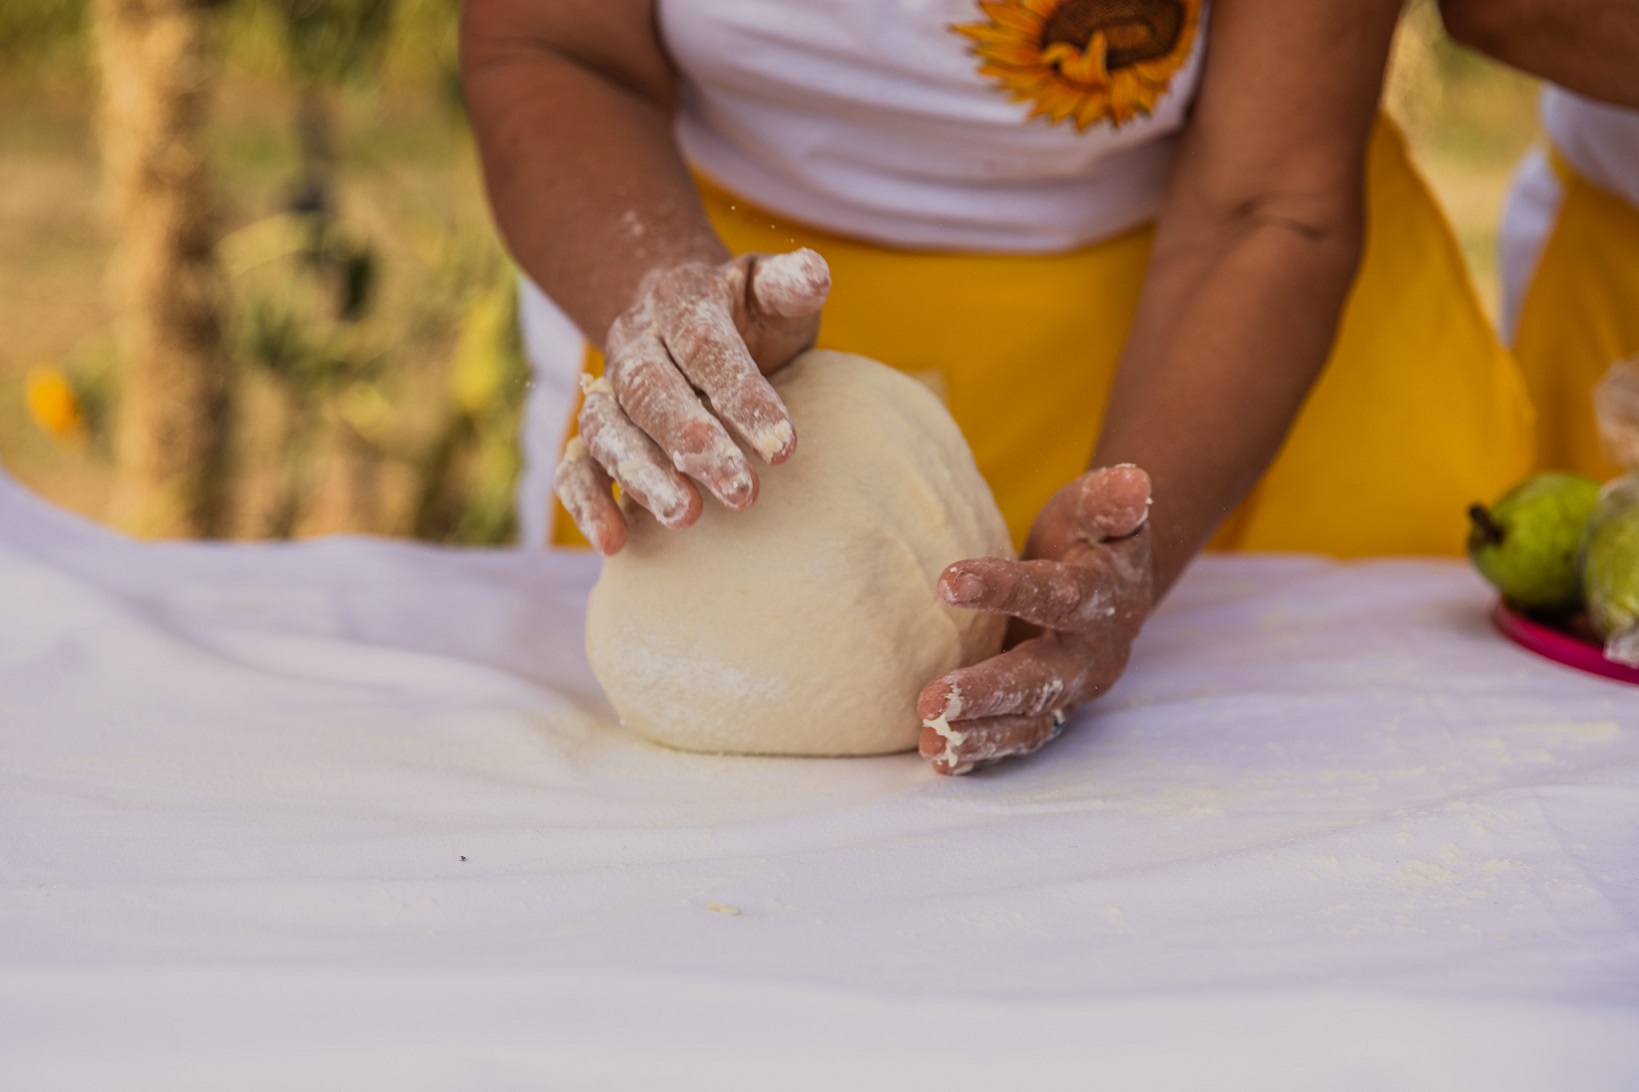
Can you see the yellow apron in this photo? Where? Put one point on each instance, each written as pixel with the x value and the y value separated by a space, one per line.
pixel 1420 411
pixel 1579 316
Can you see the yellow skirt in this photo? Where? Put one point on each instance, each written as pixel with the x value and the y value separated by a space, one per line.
pixel 1419 413
pixel 1579 316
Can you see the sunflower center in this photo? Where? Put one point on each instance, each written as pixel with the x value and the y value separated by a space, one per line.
pixel 1134 30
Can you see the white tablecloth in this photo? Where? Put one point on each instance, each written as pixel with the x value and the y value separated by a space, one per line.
pixel 345 815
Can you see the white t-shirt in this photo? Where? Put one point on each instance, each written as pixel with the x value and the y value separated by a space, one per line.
pixel 882 120
pixel 1601 143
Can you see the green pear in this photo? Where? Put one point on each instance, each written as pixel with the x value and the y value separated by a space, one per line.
pixel 1610 570
pixel 1527 543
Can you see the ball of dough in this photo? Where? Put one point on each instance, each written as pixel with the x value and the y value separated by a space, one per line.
pixel 807 624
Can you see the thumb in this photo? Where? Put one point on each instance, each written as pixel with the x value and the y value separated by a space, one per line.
pixel 792 285
pixel 1112 503
pixel 1112 518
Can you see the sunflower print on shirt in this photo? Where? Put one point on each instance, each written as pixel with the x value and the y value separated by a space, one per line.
pixel 1084 61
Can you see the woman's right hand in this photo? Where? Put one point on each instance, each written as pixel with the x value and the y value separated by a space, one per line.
pixel 684 378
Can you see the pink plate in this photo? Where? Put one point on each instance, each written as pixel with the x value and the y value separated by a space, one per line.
pixel 1559 646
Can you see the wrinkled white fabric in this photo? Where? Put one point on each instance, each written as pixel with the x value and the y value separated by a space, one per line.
pixel 1329 833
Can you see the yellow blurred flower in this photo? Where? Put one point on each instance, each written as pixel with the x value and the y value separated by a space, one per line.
pixel 53 404
pixel 477 373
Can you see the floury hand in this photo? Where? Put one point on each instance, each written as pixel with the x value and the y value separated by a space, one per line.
pixel 685 376
pixel 1077 599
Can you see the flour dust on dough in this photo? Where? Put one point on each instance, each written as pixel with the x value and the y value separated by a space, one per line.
pixel 807 624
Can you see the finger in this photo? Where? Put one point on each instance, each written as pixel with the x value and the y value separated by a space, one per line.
pixel 1050 594
pixel 789 286
pixel 660 402
pixel 585 489
pixel 959 748
pixel 709 350
pixel 1036 677
pixel 1114 502
pixel 634 460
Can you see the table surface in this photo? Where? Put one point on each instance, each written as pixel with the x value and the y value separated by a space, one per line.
pixel 350 812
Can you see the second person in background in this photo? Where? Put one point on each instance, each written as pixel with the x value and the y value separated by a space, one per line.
pixel 1570 234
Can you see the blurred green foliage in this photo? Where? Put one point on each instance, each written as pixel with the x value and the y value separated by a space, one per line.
pixel 334 40
pixel 371 319
pixel 36 33
pixel 410 40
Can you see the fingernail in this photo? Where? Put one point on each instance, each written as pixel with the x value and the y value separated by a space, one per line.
pixel 964 588
pixel 930 744
pixel 674 512
pixel 771 441
pixel 738 491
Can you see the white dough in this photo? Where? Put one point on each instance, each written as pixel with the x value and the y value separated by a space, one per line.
pixel 808 623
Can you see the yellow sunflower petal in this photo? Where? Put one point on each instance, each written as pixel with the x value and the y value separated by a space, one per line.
pixel 987 35
pixel 1125 99
pixel 1002 74
pixel 1034 82
pixel 1044 102
pixel 1092 109
pixel 1059 102
pixel 1009 77
pixel 1004 13
pixel 1014 53
pixel 1022 88
pixel 1094 66
pixel 1160 70
pixel 1018 89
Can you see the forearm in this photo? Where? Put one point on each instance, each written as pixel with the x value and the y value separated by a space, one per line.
pixel 587 186
pixel 1587 46
pixel 1234 327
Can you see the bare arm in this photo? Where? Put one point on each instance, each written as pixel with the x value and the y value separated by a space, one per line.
pixel 571 101
pixel 1590 47
pixel 1257 244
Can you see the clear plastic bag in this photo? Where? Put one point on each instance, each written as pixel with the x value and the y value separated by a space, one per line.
pixel 1610 552
pixel 1616 408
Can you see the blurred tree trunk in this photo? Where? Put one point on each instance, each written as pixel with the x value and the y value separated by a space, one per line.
pixel 165 284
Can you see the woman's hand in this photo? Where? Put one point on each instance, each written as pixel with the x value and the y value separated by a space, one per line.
pixel 685 364
pixel 1078 599
pixel 685 377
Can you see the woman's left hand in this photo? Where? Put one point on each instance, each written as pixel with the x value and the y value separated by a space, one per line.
pixel 1077 599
